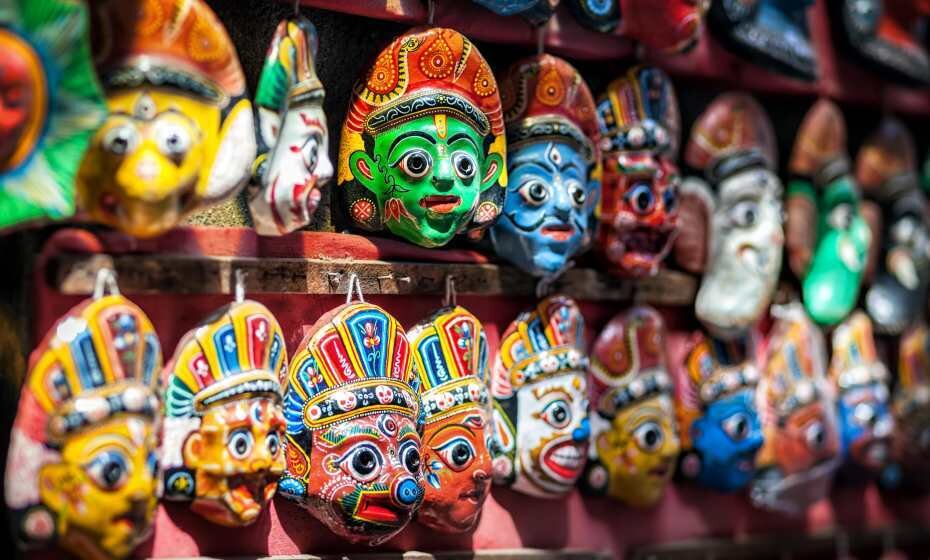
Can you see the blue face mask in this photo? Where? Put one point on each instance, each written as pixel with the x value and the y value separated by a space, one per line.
pixel 548 213
pixel 865 426
pixel 727 438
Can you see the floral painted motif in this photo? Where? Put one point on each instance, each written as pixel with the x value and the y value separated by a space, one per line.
pixel 354 425
pixel 82 468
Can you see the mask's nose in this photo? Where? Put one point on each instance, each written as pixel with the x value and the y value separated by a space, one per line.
pixel 581 433
pixel 405 492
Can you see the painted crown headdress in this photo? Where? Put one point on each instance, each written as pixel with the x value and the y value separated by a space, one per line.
pixel 913 389
pixel 639 112
pixel 717 368
pixel 796 364
pixel 854 361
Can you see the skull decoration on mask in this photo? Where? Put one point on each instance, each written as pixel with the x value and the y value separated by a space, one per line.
pixel 554 166
pixel 354 425
pixel 180 134
pixel 50 105
pixel 771 32
pixel 886 168
pixel 639 122
pixel 734 144
pixel 541 400
pixel 82 468
pixel 802 438
pixel 422 149
pixel 293 139
pixel 911 410
pixel 831 274
pixel 450 353
pixel 634 438
pixel 224 427
pixel 716 406
pixel 884 35
pixel 537 12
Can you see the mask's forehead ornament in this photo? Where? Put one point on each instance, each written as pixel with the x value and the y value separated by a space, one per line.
pixel 639 112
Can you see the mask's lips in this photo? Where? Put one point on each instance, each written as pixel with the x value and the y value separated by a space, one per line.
pixel 558 232
pixel 475 495
pixel 375 507
pixel 135 518
pixel 661 471
pixel 563 460
pixel 645 240
pixel 440 203
pixel 244 495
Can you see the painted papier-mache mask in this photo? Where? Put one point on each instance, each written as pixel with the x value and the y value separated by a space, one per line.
pixel 861 384
pixel 553 166
pixel 666 26
pixel 911 410
pixel 450 354
pixel 802 438
pixel 50 105
pixel 224 426
pixel 180 133
pixel 82 469
pixel 422 153
pixel 634 437
pixel 600 15
pixel 884 35
pixel 773 33
pixel 886 169
pixel 293 138
pixel 827 238
pixel 541 400
pixel 354 425
pixel 537 12
pixel 640 129
pixel 733 142
pixel 717 416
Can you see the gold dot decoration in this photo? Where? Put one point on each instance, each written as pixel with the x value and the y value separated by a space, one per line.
pixel 438 61
pixel 484 84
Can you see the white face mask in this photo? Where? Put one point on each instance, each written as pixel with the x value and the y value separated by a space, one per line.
pixel 746 251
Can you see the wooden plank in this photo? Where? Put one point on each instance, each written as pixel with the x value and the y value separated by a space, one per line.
pixel 501 554
pixel 74 274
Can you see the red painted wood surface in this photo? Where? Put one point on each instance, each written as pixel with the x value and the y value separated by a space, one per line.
pixel 509 520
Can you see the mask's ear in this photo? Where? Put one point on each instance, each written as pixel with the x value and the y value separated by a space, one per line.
pixel 193 449
pixel 363 169
pixel 493 168
pixel 872 214
pixel 52 479
pixel 695 212
pixel 800 226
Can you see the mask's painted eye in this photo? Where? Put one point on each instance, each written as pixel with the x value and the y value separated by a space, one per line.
pixel 410 457
pixel 108 469
pixel 840 217
pixel 534 192
pixel 649 437
pixel 274 443
pixel 670 198
pixel 576 193
pixel 864 414
pixel 737 426
pixel 744 214
pixel 640 198
pixel 121 140
pixel 310 152
pixel 816 436
pixel 172 139
pixel 557 414
pixel 465 166
pixel 240 443
pixel 363 463
pixel 458 453
pixel 416 164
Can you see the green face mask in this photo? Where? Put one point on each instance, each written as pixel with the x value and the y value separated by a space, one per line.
pixel 831 287
pixel 427 175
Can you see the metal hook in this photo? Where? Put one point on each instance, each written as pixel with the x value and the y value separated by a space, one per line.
pixel 296 8
pixel 430 12
pixel 451 296
pixel 541 37
pixel 105 283
pixel 239 285
pixel 357 284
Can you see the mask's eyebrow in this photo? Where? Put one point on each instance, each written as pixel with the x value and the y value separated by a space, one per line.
pixel 462 136
pixel 571 165
pixel 406 431
pixel 526 160
pixel 404 136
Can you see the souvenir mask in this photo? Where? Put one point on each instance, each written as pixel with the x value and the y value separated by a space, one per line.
pixel 554 166
pixel 353 425
pixel 541 400
pixel 716 406
pixel 886 168
pixel 293 139
pixel 772 33
pixel 81 470
pixel 537 12
pixel 224 426
pixel 832 272
pixel 885 35
pixel 422 152
pixel 50 105
pixel 861 382
pixel 634 437
pixel 802 439
pixel 600 15
pixel 450 353
pixel 911 410
pixel 639 122
pixel 180 133
pixel 734 143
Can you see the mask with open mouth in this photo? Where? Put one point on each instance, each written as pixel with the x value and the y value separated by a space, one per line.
pixel 293 139
pixel 886 168
pixel 773 33
pixel 450 354
pixel 422 153
pixel 224 427
pixel 638 211
pixel 82 469
pixel 180 134
pixel 733 142
pixel 716 407
pixel 861 384
pixel 802 439
pixel 536 12
pixel 554 166
pixel 634 436
pixel 353 412
pixel 911 410
pixel 540 395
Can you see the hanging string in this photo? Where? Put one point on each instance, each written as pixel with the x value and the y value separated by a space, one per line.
pixel 430 12
pixel 239 285
pixel 105 283
pixel 355 283
pixel 541 37
pixel 544 286
pixel 296 8
pixel 451 295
